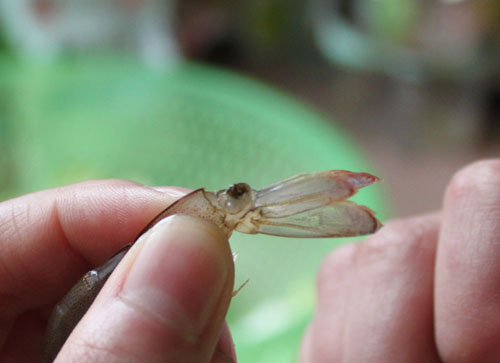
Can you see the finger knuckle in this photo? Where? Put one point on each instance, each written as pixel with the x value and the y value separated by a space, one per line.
pixel 479 178
pixel 399 241
pixel 336 264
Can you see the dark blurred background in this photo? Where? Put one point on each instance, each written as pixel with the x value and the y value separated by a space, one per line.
pixel 206 93
pixel 416 82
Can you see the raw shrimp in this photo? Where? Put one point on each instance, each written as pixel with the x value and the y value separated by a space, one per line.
pixel 305 206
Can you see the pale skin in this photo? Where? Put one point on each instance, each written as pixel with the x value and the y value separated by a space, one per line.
pixel 420 289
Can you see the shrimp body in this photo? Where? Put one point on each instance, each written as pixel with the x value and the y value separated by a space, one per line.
pixel 306 206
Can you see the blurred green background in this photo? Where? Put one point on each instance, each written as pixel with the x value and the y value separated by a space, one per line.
pixel 205 94
pixel 191 126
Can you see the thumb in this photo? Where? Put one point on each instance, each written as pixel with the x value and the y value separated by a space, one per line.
pixel 166 301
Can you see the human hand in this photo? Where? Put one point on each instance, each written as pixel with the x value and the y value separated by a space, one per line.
pixel 166 301
pixel 423 289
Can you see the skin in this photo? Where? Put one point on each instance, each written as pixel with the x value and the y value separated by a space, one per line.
pixel 149 310
pixel 421 289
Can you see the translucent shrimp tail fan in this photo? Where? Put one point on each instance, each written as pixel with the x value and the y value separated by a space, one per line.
pixel 315 205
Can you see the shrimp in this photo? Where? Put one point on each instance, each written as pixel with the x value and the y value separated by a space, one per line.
pixel 305 206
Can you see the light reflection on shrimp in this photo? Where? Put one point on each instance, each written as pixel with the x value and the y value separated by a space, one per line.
pixel 306 206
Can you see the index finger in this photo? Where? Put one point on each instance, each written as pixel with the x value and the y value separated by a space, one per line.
pixel 49 238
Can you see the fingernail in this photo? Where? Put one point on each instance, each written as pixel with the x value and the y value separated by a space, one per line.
pixel 179 273
pixel 225 347
pixel 172 191
pixel 221 357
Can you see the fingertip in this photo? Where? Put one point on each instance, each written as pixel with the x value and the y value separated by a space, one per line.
pixel 306 346
pixel 474 178
pixel 336 263
pixel 167 299
pixel 225 346
pixel 383 284
pixel 180 272
pixel 220 357
pixel 467 268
